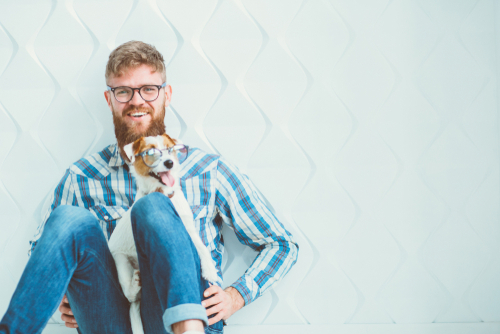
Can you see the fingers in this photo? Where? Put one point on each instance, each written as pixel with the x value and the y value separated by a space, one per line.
pixel 215 319
pixel 215 309
pixel 65 309
pixel 67 314
pixel 68 318
pixel 217 305
pixel 70 325
pixel 69 321
pixel 212 301
pixel 212 290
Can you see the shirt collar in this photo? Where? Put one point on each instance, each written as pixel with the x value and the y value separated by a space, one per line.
pixel 116 158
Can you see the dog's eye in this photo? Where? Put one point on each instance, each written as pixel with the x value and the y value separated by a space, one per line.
pixel 151 157
pixel 181 152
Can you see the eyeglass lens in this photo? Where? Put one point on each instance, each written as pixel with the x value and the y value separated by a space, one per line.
pixel 153 156
pixel 181 151
pixel 148 93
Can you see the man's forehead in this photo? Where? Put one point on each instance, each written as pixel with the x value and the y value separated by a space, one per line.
pixel 142 74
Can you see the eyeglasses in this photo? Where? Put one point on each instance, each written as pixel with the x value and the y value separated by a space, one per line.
pixel 152 156
pixel 148 93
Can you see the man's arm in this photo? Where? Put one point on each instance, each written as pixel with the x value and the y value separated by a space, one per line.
pixel 255 225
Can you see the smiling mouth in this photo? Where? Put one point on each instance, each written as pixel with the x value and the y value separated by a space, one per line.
pixel 137 114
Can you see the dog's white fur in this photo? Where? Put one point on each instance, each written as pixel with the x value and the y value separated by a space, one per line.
pixel 122 245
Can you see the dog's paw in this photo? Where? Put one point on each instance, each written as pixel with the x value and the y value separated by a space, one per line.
pixel 133 293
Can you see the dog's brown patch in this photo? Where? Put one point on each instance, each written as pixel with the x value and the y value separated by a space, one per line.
pixel 158 190
pixel 136 147
pixel 167 141
pixel 140 146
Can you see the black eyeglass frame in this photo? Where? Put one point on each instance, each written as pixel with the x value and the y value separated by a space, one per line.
pixel 169 150
pixel 112 89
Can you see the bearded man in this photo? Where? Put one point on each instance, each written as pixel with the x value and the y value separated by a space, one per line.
pixel 70 259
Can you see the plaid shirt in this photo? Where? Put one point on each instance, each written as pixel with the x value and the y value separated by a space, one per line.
pixel 217 193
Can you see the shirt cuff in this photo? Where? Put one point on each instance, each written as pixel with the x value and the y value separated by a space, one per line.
pixel 247 288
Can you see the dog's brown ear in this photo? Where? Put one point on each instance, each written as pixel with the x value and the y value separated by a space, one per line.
pixel 132 149
pixel 168 141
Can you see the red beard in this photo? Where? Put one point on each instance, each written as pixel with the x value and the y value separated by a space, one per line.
pixel 126 134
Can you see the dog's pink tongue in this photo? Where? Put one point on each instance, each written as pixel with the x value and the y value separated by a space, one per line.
pixel 167 179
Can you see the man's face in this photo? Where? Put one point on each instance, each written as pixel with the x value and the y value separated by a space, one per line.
pixel 128 128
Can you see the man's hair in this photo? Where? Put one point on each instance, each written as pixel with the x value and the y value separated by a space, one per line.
pixel 133 54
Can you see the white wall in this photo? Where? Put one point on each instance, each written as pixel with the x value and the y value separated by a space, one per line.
pixel 370 126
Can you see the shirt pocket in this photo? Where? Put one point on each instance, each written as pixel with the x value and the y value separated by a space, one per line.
pixel 108 215
pixel 203 225
pixel 199 212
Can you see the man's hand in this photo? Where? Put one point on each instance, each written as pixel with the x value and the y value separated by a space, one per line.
pixel 67 315
pixel 225 302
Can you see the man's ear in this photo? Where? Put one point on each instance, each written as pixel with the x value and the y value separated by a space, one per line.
pixel 168 95
pixel 107 96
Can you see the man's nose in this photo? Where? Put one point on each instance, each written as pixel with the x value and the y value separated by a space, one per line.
pixel 137 100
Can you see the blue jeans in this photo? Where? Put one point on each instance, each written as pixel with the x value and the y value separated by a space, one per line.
pixel 72 257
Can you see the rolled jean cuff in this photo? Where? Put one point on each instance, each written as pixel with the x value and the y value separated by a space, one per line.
pixel 184 312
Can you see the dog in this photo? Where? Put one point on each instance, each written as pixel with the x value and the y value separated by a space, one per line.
pixel 154 162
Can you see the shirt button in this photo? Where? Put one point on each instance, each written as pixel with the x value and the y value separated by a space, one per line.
pixel 106 217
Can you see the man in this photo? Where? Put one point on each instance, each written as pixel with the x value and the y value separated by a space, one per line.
pixel 70 254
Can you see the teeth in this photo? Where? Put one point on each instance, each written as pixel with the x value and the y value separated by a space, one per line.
pixel 138 114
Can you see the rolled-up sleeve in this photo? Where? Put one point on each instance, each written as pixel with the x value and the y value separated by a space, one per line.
pixel 242 208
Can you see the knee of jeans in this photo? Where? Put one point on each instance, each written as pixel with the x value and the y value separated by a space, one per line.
pixel 67 221
pixel 154 210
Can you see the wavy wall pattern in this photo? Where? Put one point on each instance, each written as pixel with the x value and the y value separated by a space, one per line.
pixel 370 127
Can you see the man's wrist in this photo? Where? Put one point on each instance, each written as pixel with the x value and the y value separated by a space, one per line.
pixel 237 299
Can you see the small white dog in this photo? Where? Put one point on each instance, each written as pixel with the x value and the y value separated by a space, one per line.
pixel 156 170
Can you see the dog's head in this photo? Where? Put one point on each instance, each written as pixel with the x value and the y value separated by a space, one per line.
pixel 156 161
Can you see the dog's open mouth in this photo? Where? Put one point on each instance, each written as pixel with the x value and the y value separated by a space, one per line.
pixel 164 177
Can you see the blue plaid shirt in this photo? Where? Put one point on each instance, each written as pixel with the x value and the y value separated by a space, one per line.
pixel 217 193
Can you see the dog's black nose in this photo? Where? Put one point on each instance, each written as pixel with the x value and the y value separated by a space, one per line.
pixel 169 163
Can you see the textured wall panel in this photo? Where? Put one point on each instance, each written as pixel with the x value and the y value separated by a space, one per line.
pixel 370 127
